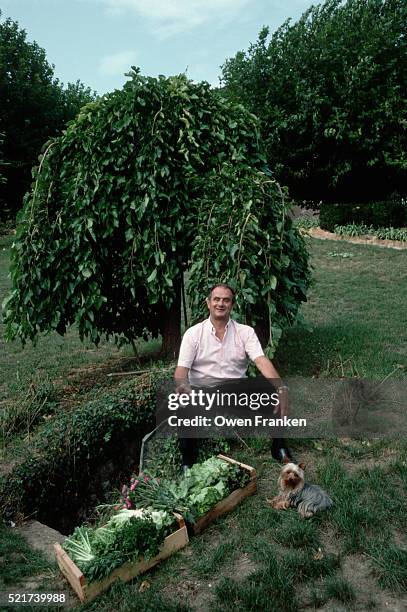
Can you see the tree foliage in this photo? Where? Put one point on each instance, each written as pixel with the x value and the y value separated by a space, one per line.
pixel 331 93
pixel 122 204
pixel 33 106
pixel 260 252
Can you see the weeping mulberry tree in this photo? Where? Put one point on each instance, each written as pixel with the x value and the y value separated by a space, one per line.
pixel 247 239
pixel 161 177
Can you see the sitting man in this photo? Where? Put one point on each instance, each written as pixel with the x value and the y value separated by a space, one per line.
pixel 219 348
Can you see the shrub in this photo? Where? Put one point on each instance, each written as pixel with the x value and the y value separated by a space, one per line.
pixel 306 223
pixel 378 214
pixel 353 229
pixel 384 233
pixel 391 233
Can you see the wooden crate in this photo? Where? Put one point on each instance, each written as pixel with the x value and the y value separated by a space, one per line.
pixel 228 503
pixel 86 592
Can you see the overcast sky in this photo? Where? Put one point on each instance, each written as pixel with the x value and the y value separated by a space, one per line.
pixel 97 41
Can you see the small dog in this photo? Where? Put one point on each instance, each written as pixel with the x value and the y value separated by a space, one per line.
pixel 296 493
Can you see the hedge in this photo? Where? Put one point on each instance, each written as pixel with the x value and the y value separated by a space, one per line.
pixel 387 213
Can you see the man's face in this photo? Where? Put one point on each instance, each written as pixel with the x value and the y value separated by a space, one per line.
pixel 220 304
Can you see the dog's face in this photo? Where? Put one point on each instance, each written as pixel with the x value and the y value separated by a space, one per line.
pixel 292 476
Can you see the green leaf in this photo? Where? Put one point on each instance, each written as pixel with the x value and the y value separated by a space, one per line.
pixel 152 276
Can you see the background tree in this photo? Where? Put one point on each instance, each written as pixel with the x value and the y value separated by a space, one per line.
pixel 33 106
pixel 120 208
pixel 331 94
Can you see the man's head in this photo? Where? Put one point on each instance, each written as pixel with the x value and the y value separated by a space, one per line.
pixel 220 302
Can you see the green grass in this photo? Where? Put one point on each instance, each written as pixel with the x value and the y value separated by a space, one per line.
pixel 338 588
pixel 257 558
pixel 390 564
pixel 210 560
pixel 17 560
pixel 297 534
pixel 355 313
pixel 127 598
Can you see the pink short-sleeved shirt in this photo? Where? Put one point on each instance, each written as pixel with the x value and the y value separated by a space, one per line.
pixel 207 356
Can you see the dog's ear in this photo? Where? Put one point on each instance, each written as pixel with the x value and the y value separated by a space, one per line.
pixel 301 466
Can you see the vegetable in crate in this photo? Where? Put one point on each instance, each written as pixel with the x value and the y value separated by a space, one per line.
pixel 128 535
pixel 198 490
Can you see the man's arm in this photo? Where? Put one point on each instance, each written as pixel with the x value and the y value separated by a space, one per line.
pixel 266 368
pixel 181 379
pixel 181 373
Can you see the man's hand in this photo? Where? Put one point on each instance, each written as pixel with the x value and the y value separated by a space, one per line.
pixel 282 407
pixel 182 387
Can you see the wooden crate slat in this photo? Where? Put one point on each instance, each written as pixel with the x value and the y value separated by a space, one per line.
pixel 249 468
pixel 228 503
pixel 70 570
pixel 175 541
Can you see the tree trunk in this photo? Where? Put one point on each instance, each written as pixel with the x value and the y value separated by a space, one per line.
pixel 170 327
pixel 261 329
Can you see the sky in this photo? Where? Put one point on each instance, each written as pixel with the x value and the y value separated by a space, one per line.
pixel 97 41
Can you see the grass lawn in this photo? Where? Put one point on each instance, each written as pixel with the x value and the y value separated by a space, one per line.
pixel 356 312
pixel 353 557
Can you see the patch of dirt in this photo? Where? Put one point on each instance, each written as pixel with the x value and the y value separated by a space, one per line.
pixel 369 459
pixel 400 539
pixel 242 568
pixel 370 462
pixel 321 234
pixel 198 593
pixel 6 467
pixel 195 593
pixel 356 570
pixel 41 537
pixel 238 571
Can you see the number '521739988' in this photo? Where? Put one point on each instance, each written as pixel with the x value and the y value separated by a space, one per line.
pixel 33 598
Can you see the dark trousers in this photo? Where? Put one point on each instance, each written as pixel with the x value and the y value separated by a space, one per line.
pixel 189 447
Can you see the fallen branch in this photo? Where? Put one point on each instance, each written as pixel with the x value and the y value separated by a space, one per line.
pixel 136 372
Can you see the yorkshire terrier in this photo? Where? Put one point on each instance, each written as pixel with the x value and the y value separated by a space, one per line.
pixel 296 493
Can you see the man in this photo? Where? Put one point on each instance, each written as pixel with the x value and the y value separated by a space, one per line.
pixel 220 348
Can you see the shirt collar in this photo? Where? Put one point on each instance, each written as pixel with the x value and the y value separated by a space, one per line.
pixel 213 330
